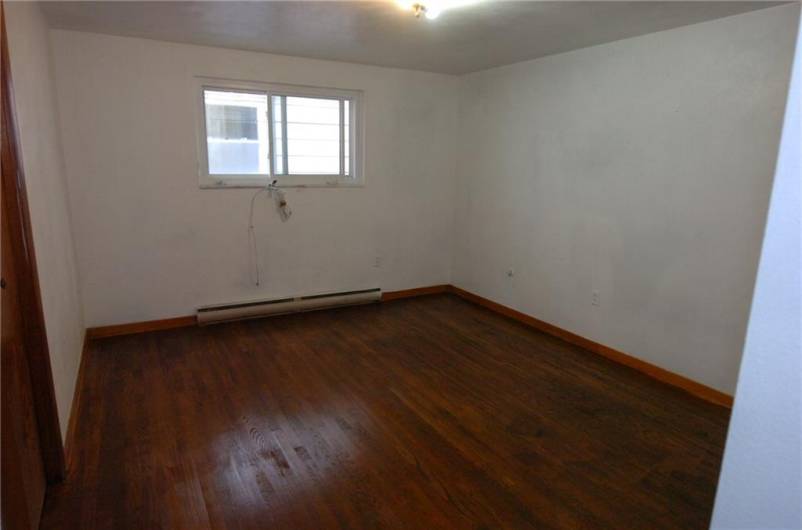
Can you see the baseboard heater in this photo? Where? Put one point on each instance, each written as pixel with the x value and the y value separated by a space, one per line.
pixel 262 308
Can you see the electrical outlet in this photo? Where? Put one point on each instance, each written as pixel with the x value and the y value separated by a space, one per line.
pixel 377 262
pixel 595 298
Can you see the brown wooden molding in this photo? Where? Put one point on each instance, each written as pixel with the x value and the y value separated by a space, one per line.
pixel 24 255
pixel 75 407
pixel 180 322
pixel 409 293
pixel 140 327
pixel 697 389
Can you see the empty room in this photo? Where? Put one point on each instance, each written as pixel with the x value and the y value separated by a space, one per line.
pixel 382 264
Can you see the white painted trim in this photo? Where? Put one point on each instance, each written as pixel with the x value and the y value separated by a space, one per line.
pixel 356 139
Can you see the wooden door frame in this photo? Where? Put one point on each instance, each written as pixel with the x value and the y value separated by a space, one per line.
pixel 24 256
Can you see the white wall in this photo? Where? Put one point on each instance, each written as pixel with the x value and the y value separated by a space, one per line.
pixel 151 244
pixel 43 164
pixel 761 478
pixel 640 169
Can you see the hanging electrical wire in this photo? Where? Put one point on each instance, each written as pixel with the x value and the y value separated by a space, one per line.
pixel 284 212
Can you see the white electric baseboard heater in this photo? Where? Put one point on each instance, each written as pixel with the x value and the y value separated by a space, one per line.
pixel 262 308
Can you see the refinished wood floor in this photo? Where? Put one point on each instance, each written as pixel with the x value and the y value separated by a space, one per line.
pixel 427 413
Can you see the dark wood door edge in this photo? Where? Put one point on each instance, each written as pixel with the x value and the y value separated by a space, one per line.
pixel 13 184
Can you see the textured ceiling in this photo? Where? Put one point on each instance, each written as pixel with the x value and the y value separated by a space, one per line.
pixel 461 40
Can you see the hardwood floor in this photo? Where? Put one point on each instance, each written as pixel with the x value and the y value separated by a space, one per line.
pixel 428 413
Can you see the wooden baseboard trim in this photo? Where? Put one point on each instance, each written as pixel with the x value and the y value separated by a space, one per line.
pixel 75 408
pixel 140 327
pixel 692 387
pixel 181 322
pixel 410 293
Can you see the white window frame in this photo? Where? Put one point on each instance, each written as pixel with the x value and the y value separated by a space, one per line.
pixel 355 143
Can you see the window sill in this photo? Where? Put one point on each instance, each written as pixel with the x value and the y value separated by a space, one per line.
pixel 212 184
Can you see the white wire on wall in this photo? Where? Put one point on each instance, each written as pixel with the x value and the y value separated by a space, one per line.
pixel 284 211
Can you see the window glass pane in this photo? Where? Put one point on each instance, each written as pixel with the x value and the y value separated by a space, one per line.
pixel 236 132
pixel 313 136
pixel 230 122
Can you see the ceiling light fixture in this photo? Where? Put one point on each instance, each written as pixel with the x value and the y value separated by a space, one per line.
pixel 431 9
pixel 419 8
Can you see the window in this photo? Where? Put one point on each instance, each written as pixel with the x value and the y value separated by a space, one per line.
pixel 236 133
pixel 253 133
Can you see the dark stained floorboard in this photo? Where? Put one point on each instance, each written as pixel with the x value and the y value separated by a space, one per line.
pixel 428 413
